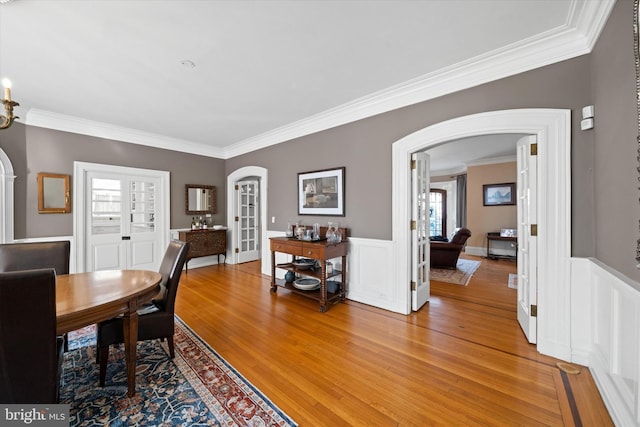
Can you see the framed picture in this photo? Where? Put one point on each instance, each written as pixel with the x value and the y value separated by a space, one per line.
pixel 499 194
pixel 53 193
pixel 321 192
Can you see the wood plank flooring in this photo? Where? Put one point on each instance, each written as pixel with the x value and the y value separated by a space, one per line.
pixel 461 360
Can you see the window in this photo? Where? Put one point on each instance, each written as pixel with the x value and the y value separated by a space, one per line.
pixel 437 212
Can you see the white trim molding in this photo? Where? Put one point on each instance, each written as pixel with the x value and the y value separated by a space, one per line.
pixel 50 120
pixel 552 128
pixel 80 203
pixel 234 177
pixel 7 180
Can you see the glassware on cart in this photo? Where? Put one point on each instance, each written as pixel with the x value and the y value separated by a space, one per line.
pixel 316 231
pixel 330 234
pixel 337 236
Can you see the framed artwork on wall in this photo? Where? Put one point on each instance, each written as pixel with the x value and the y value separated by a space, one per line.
pixel 321 192
pixel 499 194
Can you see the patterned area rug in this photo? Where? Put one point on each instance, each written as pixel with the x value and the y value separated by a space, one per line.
pixel 513 281
pixel 198 387
pixel 460 276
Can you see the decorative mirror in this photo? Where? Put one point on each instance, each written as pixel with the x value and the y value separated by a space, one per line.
pixel 53 193
pixel 200 199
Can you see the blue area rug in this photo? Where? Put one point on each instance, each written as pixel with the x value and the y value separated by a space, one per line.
pixel 196 388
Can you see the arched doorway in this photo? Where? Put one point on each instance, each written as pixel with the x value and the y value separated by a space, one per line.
pixel 249 171
pixel 552 128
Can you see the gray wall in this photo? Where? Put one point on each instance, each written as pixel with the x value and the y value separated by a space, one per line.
pixel 615 177
pixel 364 148
pixel 32 150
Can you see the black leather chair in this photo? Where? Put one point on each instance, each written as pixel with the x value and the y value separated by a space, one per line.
pixel 30 352
pixel 35 255
pixel 156 320
pixel 446 254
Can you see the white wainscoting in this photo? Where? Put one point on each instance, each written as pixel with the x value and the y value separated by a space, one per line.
pixel 370 275
pixel 369 272
pixel 606 335
pixel 497 248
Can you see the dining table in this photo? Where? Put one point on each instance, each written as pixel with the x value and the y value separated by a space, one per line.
pixel 83 299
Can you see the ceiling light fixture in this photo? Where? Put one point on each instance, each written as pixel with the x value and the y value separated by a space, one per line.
pixel 5 121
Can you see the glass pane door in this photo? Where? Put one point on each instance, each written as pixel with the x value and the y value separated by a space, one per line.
pixel 142 206
pixel 248 224
pixel 106 206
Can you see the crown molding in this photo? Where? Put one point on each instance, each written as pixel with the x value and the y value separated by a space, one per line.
pixel 449 173
pixel 56 121
pixel 493 161
pixel 577 37
pixel 482 162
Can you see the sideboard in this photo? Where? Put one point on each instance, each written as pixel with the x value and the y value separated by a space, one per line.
pixel 204 243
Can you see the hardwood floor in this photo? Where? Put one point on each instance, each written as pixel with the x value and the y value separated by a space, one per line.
pixel 461 360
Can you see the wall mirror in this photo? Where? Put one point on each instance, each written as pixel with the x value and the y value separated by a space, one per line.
pixel 200 199
pixel 53 193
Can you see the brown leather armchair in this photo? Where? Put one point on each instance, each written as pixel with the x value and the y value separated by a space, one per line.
pixel 156 320
pixel 30 353
pixel 446 254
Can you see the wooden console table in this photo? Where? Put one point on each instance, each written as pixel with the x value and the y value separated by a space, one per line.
pixel 495 237
pixel 317 250
pixel 204 243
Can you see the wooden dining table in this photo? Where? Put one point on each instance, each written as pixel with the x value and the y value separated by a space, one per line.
pixel 83 299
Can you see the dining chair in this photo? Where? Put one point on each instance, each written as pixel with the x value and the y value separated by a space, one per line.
pixel 155 320
pixel 36 255
pixel 30 352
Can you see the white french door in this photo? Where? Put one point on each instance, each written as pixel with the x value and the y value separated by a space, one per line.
pixel 248 221
pixel 420 249
pixel 527 237
pixel 122 217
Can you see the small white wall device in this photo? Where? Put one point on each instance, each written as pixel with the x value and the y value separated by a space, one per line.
pixel 587 118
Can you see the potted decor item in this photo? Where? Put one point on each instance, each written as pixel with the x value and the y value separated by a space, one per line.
pixel 289 276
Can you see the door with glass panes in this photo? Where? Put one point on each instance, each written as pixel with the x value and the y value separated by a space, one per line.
pixel 120 223
pixel 248 221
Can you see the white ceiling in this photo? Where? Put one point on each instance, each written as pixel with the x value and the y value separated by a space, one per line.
pixel 266 71
pixel 453 157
